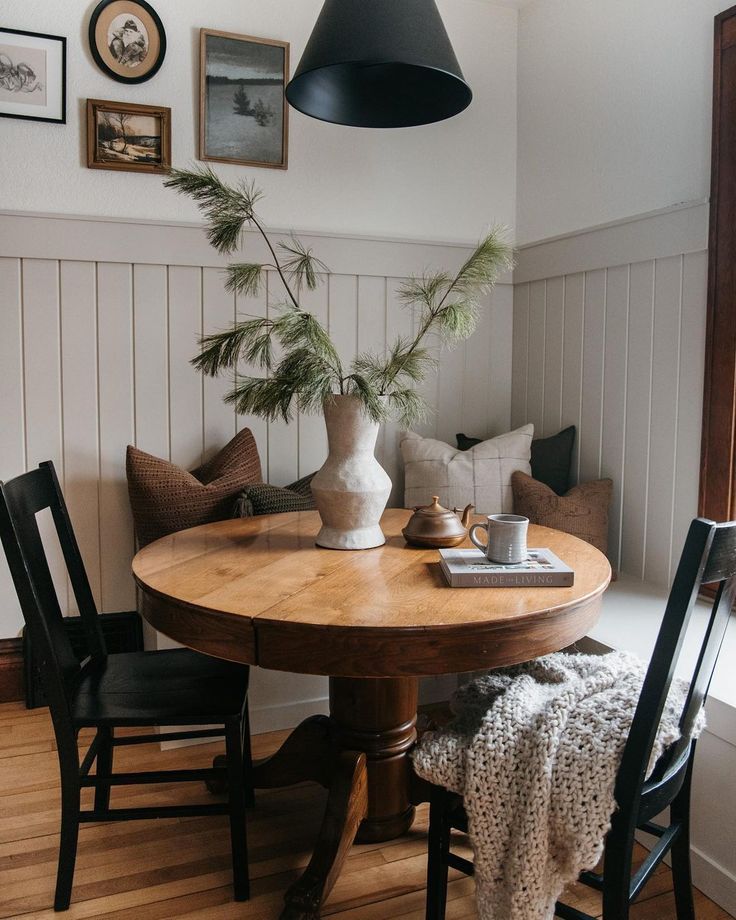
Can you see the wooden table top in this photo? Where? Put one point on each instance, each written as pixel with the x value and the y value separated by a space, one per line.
pixel 258 590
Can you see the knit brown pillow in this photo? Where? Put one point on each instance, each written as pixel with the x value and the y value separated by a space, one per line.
pixel 165 498
pixel 582 512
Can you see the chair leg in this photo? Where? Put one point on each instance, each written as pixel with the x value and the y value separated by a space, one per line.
pixel 438 848
pixel 236 800
pixel 70 806
pixel 104 767
pixel 681 874
pixel 617 871
pixel 250 799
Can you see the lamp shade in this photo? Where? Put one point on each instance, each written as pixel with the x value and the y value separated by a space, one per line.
pixel 379 64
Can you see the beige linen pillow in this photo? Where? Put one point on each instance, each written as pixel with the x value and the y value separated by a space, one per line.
pixel 481 475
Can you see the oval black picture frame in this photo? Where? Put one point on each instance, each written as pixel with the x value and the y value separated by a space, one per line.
pixel 96 13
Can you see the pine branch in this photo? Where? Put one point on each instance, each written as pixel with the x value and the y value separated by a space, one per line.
pixel 249 340
pixel 301 264
pixel 244 278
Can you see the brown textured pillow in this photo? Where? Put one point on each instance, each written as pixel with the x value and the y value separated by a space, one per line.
pixel 582 512
pixel 165 498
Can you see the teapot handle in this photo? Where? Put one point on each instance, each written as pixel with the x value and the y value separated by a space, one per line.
pixel 483 547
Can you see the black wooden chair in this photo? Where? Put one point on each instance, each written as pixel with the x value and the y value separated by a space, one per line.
pixel 709 556
pixel 176 687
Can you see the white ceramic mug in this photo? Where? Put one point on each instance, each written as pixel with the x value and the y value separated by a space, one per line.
pixel 506 538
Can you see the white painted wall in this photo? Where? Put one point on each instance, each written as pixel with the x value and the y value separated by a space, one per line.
pixel 614 110
pixel 442 182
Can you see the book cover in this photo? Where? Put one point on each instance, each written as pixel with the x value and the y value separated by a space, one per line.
pixel 469 568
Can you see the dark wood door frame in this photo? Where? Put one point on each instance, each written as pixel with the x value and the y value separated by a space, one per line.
pixel 717 480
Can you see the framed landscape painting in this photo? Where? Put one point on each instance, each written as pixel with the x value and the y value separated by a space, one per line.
pixel 123 135
pixel 32 76
pixel 243 116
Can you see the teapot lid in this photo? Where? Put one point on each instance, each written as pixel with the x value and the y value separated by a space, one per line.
pixel 434 508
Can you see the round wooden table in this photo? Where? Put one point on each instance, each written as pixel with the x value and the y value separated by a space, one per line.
pixel 258 591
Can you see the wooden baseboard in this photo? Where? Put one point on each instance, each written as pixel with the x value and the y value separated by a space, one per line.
pixel 11 670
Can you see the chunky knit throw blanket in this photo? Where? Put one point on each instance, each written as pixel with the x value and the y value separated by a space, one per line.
pixel 534 751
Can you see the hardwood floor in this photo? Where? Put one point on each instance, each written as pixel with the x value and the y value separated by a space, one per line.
pixel 180 868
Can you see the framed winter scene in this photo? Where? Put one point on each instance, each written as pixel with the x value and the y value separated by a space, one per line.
pixel 124 135
pixel 243 116
pixel 32 76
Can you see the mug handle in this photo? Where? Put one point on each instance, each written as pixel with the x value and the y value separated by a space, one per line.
pixel 483 547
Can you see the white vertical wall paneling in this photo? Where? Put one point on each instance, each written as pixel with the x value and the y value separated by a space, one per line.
pixel 591 417
pixel 283 437
pixel 495 332
pixel 97 355
pixel 247 307
pixel 43 409
pixel 663 425
pixel 553 361
pixel 398 323
pixel 613 439
pixel 343 315
pixel 631 340
pixel 478 395
pixel 117 426
pixel 218 313
pixel 572 360
pixel 78 297
pixel 431 387
pixel 520 358
pixel 690 402
pixel 185 384
pixel 12 442
pixel 638 412
pixel 450 399
pixel 151 355
pixel 372 328
pixel 312 434
pixel 535 373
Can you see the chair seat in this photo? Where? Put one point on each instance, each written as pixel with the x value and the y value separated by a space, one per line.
pixel 170 687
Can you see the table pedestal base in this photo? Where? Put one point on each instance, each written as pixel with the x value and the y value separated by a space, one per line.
pixel 360 754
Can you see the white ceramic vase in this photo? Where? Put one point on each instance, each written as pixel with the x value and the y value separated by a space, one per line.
pixel 352 488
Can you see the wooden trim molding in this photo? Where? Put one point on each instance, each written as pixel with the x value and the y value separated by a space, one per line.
pixel 99 239
pixel 676 230
pixel 11 670
pixel 716 499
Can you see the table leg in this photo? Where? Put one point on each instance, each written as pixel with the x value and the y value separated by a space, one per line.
pixel 346 808
pixel 378 717
pixel 361 755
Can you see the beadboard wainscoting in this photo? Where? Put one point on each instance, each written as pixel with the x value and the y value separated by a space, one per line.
pixel 609 335
pixel 100 320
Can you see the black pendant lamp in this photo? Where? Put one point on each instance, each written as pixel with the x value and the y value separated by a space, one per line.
pixel 379 64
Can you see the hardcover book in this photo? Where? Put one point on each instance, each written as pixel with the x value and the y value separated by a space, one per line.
pixel 469 568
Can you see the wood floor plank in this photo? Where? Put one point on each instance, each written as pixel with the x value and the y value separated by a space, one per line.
pixel 180 868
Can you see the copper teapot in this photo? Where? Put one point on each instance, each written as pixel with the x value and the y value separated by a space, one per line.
pixel 435 526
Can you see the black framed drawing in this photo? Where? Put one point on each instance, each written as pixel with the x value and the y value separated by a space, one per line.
pixel 127 40
pixel 32 76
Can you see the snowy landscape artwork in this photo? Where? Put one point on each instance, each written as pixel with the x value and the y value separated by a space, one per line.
pixel 243 118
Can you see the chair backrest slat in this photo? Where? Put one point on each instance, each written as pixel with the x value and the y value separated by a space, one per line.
pixel 709 555
pixel 21 499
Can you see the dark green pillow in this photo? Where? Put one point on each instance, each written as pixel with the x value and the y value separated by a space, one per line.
pixel 263 498
pixel 551 457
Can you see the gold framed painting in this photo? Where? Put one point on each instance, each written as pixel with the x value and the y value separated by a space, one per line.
pixel 123 135
pixel 243 115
